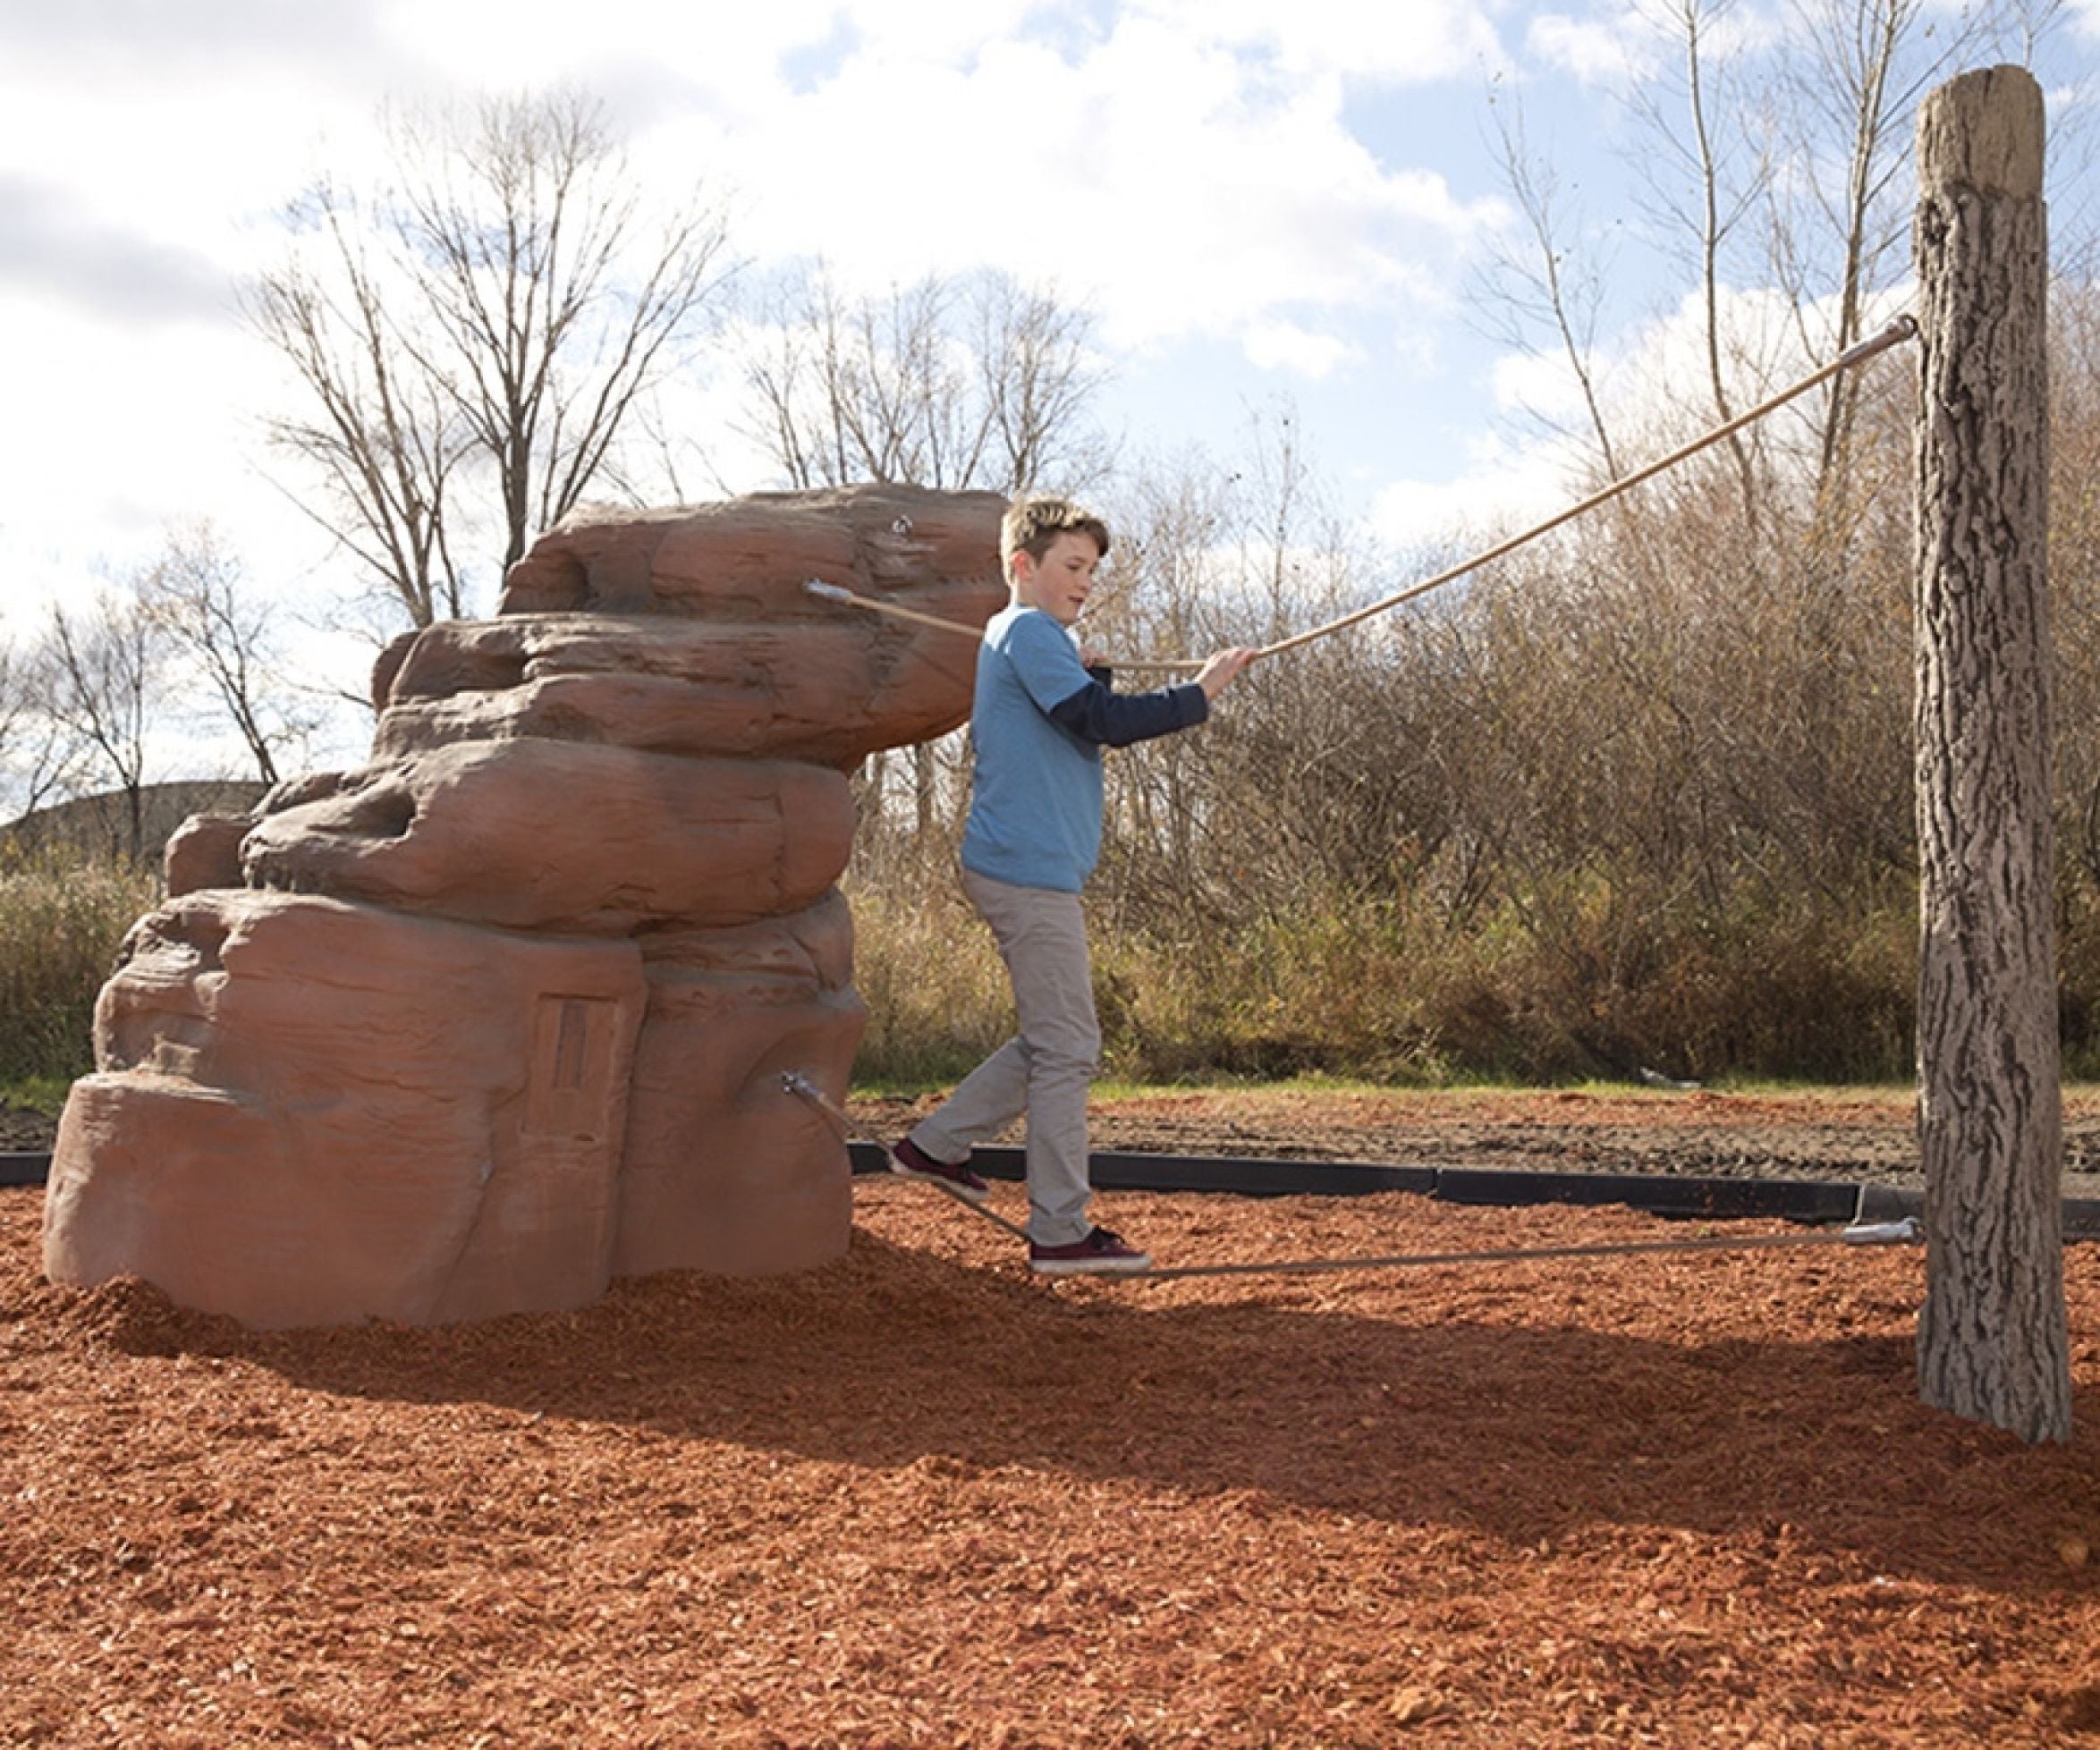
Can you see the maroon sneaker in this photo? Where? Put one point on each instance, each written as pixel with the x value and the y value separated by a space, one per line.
pixel 909 1160
pixel 1100 1254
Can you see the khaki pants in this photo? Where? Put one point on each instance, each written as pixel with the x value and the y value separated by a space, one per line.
pixel 1046 1071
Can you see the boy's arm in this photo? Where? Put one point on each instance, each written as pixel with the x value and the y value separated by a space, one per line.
pixel 1077 699
pixel 1115 720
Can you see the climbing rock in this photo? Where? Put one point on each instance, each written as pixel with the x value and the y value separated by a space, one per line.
pixel 568 837
pixel 314 1113
pixel 722 1171
pixel 830 690
pixel 505 1011
pixel 205 851
pixel 749 558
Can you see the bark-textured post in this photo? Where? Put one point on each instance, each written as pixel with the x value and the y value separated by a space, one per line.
pixel 1992 1342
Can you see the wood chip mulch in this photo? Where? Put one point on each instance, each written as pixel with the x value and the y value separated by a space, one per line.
pixel 919 1498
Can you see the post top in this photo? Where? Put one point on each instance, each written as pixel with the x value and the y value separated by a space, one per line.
pixel 1983 130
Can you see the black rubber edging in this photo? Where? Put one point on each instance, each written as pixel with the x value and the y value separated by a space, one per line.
pixel 1712 1199
pixel 1807 1200
pixel 24 1169
pixel 1797 1200
pixel 1709 1199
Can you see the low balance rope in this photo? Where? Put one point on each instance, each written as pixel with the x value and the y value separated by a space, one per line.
pixel 810 1095
pixel 1881 1233
pixel 1903 328
pixel 1884 1233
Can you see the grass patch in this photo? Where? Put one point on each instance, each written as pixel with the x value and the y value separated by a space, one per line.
pixel 37 1094
pixel 62 921
pixel 1601 986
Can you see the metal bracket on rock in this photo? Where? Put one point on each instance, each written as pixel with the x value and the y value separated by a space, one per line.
pixel 809 1094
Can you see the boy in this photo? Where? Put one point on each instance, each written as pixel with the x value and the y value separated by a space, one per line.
pixel 1038 723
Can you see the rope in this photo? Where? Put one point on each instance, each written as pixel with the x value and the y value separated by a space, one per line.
pixel 1889 1233
pixel 803 1089
pixel 833 592
pixel 839 593
pixel 1903 328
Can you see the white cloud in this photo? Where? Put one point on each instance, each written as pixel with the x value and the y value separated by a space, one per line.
pixel 512 45
pixel 1541 386
pixel 1503 487
pixel 1410 41
pixel 1285 346
pixel 1156 174
pixel 133 427
pixel 1615 51
pixel 1618 49
pixel 1196 170
pixel 1652 384
pixel 1661 373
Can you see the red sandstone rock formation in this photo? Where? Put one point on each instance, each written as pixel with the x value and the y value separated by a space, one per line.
pixel 503 1014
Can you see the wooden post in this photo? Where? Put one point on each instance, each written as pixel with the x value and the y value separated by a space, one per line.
pixel 1993 1343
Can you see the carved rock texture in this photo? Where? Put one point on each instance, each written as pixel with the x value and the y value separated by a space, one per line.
pixel 309 1111
pixel 550 835
pixel 729 1012
pixel 822 692
pixel 503 1014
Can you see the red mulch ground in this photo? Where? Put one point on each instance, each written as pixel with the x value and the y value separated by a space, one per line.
pixel 919 1498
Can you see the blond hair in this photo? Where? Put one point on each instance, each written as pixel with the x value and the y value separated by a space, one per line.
pixel 1031 524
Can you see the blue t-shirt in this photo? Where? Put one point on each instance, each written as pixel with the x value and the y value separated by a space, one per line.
pixel 1035 804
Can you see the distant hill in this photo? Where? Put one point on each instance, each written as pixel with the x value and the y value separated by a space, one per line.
pixel 100 825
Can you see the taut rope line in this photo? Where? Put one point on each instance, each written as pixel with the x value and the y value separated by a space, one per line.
pixel 1881 1233
pixel 1885 1233
pixel 1903 328
pixel 810 1095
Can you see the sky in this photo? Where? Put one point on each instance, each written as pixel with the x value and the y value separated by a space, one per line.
pixel 1273 204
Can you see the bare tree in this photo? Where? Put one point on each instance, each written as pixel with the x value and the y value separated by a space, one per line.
pixel 105 687
pixel 870 390
pixel 504 297
pixel 36 756
pixel 1035 368
pixel 1538 282
pixel 384 435
pixel 1775 158
pixel 2074 562
pixel 1694 113
pixel 947 382
pixel 954 384
pixel 199 592
pixel 1840 220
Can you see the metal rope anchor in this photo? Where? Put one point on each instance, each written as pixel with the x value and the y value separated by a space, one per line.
pixel 807 1091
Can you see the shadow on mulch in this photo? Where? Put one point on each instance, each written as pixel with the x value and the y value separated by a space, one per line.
pixel 1511 1425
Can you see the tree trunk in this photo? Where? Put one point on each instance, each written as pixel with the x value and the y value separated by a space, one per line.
pixel 924 790
pixel 1993 1343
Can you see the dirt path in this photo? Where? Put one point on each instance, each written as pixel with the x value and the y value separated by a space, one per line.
pixel 1865 1137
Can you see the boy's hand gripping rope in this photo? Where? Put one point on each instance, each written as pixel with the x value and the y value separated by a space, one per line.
pixel 1903 328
